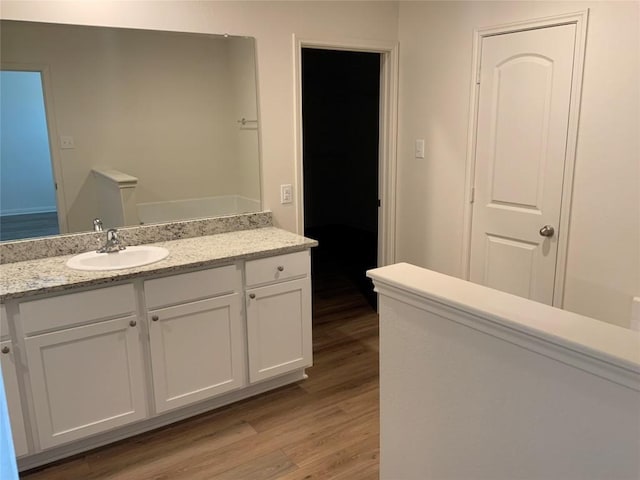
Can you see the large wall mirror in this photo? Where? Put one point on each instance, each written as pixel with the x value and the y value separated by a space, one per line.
pixel 130 126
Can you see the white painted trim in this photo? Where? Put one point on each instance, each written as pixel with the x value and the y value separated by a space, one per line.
pixel 580 19
pixel 54 151
pixel 596 347
pixel 389 68
pixel 259 118
pixel 581 22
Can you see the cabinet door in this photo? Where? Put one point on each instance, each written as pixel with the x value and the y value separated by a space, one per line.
pixel 86 380
pixel 197 351
pixel 279 328
pixel 9 375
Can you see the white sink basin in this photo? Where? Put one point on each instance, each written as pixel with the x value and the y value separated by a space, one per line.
pixel 130 257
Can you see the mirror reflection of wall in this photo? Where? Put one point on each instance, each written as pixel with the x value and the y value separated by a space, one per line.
pixel 162 107
pixel 27 193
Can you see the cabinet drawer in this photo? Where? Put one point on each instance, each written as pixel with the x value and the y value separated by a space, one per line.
pixel 278 268
pixel 187 287
pixel 74 308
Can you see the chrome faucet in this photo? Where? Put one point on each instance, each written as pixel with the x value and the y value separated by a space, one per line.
pixel 97 225
pixel 113 244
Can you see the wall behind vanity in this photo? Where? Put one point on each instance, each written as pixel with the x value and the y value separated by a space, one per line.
pixel 271 23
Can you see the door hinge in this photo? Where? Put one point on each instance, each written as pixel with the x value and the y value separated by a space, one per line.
pixel 473 194
pixel 379 202
pixel 55 185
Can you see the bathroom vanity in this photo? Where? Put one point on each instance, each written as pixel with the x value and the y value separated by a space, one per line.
pixel 91 357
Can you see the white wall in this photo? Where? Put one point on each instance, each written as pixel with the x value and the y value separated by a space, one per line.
pixel 500 387
pixel 603 270
pixel 271 23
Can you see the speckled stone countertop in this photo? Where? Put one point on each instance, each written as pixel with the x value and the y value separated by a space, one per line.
pixel 48 275
pixel 68 244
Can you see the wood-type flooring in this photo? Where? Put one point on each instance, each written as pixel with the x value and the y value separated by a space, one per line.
pixel 16 227
pixel 326 427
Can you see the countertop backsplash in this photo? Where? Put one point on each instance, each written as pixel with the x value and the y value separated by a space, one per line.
pixel 33 249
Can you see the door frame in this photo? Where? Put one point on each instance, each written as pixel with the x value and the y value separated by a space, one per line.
pixel 580 20
pixel 388 134
pixel 54 151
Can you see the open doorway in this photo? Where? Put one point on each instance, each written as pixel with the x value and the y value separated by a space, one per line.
pixel 28 205
pixel 340 138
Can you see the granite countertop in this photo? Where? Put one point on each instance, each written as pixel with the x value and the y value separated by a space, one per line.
pixel 49 275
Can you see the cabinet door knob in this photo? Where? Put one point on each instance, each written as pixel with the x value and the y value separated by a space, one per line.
pixel 252 296
pixel 280 268
pixel 133 323
pixel 155 318
pixel 6 349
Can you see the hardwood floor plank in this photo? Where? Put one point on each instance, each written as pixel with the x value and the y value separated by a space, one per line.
pixel 343 462
pixel 16 227
pixel 295 416
pixel 74 468
pixel 270 466
pixel 199 458
pixel 356 430
pixel 118 459
pixel 368 400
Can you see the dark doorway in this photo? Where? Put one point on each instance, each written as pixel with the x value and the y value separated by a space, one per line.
pixel 340 124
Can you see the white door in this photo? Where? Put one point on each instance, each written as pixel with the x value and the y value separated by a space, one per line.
pixel 197 351
pixel 523 114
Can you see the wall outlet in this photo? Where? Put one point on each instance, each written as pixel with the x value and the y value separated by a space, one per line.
pixel 66 142
pixel 635 314
pixel 420 148
pixel 286 193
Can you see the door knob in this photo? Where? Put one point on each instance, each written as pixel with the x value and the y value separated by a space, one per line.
pixel 547 231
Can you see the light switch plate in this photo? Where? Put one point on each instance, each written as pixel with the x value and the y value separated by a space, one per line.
pixel 66 142
pixel 419 148
pixel 286 193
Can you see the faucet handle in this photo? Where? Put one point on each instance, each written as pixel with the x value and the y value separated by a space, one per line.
pixel 112 235
pixel 97 225
pixel 112 244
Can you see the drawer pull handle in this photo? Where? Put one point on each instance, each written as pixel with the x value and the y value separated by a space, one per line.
pixel 133 323
pixel 155 318
pixel 252 296
pixel 280 268
pixel 5 349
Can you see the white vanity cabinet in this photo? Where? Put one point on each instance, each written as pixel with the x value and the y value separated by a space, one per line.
pixel 278 300
pixel 9 375
pixel 85 364
pixel 196 336
pixel 103 363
